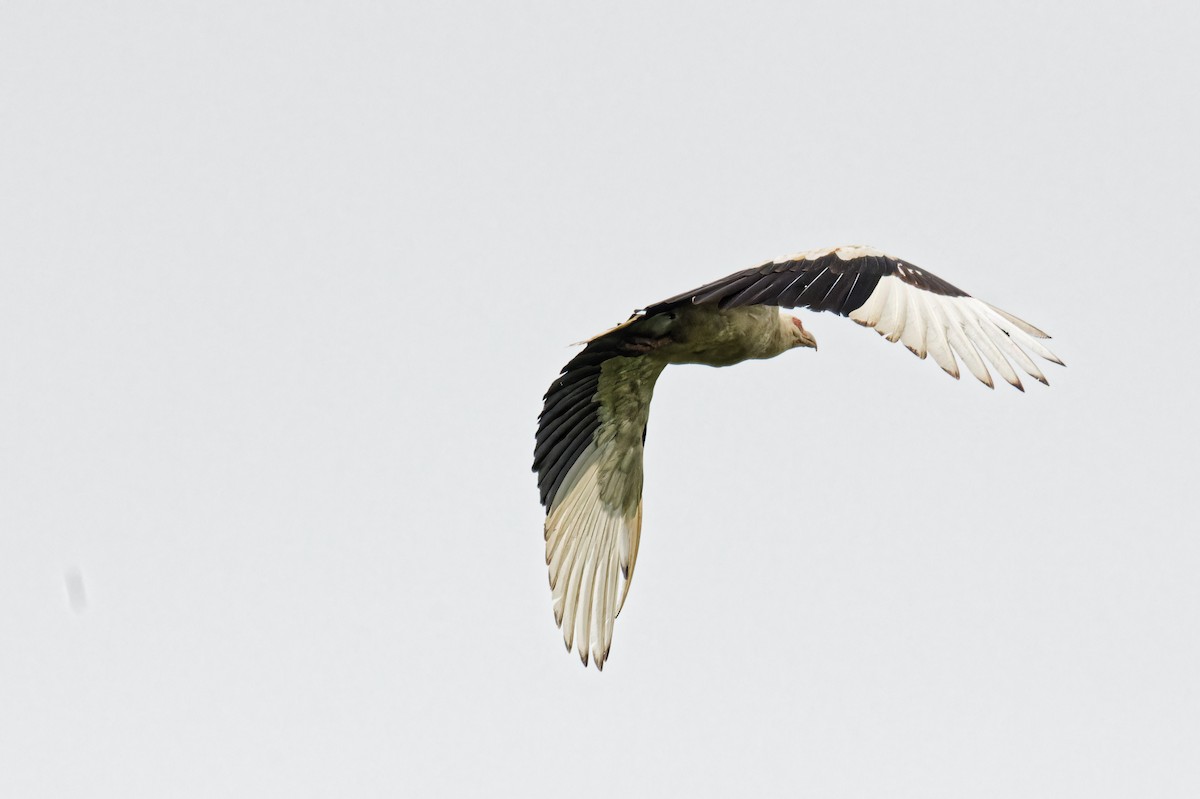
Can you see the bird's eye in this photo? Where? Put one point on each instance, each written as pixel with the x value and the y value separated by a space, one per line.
pixel 671 315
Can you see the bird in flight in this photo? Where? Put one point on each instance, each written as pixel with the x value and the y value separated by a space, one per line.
pixel 588 453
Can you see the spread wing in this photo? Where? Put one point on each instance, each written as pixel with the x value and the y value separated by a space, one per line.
pixel 901 301
pixel 588 458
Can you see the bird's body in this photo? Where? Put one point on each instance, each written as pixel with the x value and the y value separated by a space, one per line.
pixel 592 427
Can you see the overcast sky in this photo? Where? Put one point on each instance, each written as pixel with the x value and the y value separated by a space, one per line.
pixel 281 288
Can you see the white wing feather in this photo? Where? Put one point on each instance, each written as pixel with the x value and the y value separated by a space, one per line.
pixel 945 326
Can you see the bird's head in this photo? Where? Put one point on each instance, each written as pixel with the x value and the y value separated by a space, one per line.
pixel 795 331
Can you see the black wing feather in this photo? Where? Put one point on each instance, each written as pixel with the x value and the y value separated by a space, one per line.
pixel 571 413
pixel 826 282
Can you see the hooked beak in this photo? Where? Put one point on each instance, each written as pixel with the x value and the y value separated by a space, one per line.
pixel 806 339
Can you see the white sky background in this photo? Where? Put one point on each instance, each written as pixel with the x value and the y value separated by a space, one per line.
pixel 282 288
